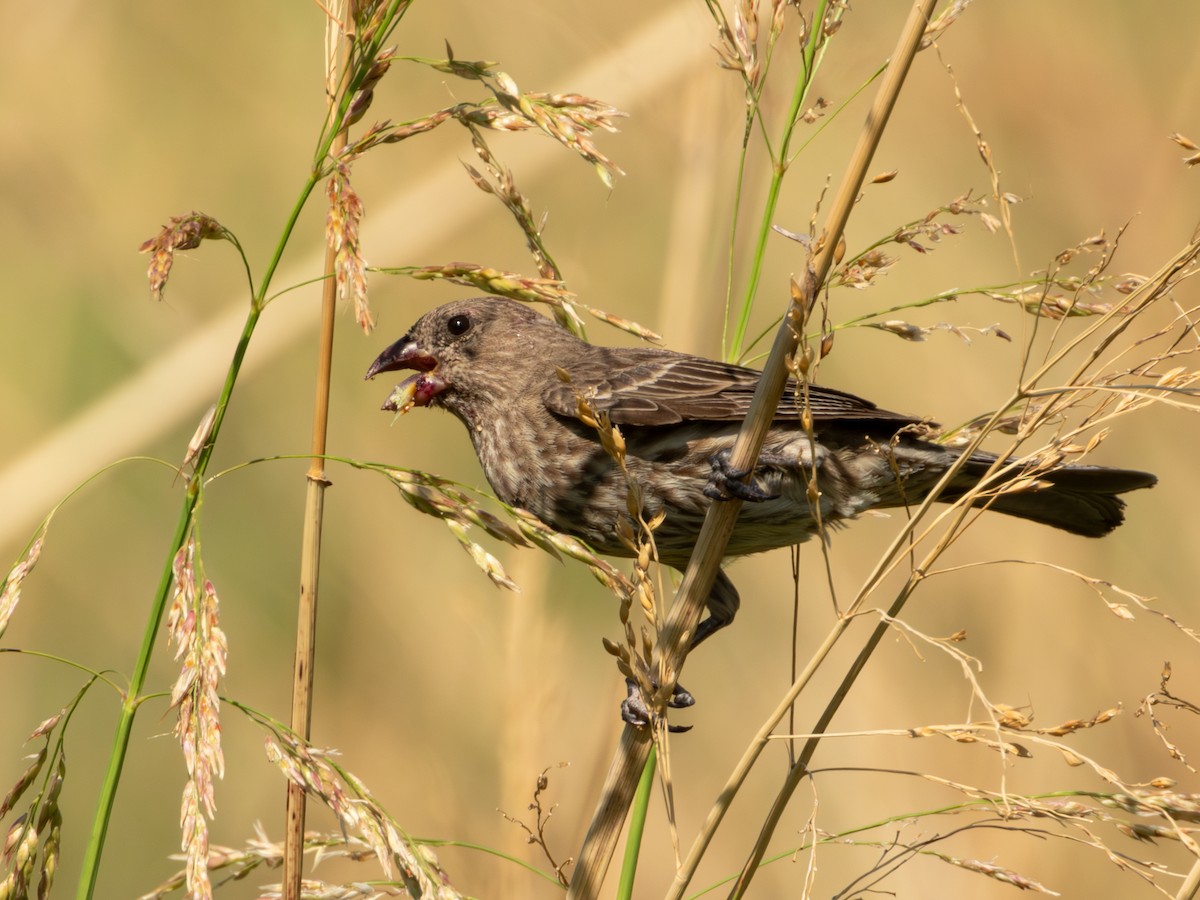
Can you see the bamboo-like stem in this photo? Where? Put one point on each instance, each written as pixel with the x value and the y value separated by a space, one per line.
pixel 706 559
pixel 310 565
pixel 799 768
pixel 633 750
pixel 883 566
pixel 624 773
pixel 1191 884
pixel 314 514
pixel 720 519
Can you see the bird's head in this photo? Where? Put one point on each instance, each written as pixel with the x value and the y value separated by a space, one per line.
pixel 466 351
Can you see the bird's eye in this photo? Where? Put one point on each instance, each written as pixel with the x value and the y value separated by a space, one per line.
pixel 458 325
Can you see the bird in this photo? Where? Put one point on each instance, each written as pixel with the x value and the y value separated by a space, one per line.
pixel 514 378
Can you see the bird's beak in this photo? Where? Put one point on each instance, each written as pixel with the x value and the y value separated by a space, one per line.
pixel 416 390
pixel 404 354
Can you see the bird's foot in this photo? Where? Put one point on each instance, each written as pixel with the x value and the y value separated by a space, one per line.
pixel 634 710
pixel 725 482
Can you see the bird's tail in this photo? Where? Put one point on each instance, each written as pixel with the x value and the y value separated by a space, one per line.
pixel 1080 499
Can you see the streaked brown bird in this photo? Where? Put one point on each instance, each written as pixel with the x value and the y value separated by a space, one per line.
pixel 494 364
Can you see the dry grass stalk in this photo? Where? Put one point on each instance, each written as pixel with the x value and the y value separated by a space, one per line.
pixel 499 183
pixel 1079 408
pixel 536 833
pixel 1163 697
pixel 985 154
pixel 311 889
pixel 461 509
pixel 1004 721
pixel 1090 397
pixel 1073 815
pixel 551 291
pixel 355 63
pixel 1101 587
pixel 719 520
pixel 1187 144
pixel 495 281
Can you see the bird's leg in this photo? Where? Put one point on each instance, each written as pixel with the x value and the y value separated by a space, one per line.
pixel 722 605
pixel 635 711
pixel 725 482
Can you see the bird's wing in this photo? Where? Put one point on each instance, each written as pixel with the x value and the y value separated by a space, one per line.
pixel 657 387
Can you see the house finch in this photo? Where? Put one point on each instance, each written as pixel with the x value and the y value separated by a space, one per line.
pixel 494 364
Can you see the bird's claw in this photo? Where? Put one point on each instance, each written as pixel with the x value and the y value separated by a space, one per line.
pixel 635 712
pixel 681 698
pixel 725 482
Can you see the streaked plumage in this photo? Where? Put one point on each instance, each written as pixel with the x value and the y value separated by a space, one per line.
pixel 493 364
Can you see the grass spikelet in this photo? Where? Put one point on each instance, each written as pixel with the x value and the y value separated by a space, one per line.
pixel 22 863
pixel 10 589
pixel 193 626
pixel 180 233
pixel 460 509
pixel 342 234
pixel 999 873
pixel 487 563
pixel 359 814
pixel 634 656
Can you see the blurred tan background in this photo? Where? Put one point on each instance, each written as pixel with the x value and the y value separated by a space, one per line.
pixel 446 696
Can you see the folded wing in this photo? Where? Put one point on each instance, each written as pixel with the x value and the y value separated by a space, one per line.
pixel 657 387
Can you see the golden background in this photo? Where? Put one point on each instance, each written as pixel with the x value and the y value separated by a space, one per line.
pixel 445 695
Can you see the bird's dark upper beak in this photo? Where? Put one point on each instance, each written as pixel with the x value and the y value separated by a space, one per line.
pixel 416 390
pixel 404 354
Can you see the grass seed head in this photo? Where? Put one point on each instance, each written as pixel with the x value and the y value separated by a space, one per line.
pixel 10 590
pixel 342 235
pixel 180 233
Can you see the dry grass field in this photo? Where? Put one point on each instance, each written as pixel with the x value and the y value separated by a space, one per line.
pixel 446 695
